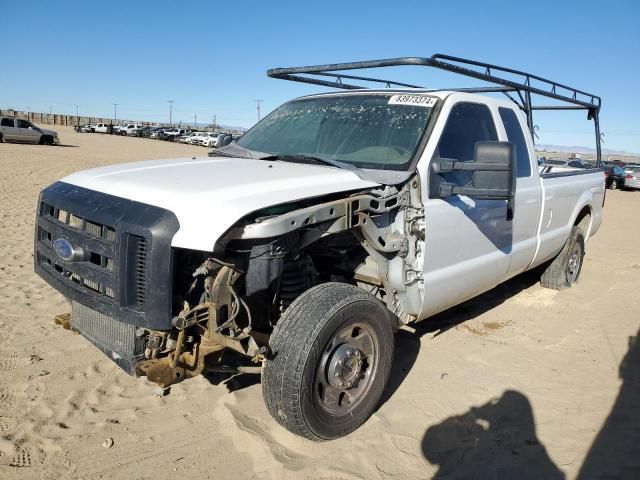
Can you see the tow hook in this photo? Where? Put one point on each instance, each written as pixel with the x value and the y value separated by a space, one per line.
pixel 63 320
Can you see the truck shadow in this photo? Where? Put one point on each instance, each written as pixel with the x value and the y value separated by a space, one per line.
pixel 495 440
pixel 407 344
pixel 615 452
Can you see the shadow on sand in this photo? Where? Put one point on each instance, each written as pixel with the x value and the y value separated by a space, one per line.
pixel 494 441
pixel 615 453
pixel 498 440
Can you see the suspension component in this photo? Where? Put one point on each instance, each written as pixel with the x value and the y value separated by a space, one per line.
pixel 297 277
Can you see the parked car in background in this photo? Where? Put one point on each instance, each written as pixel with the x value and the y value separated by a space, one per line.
pixel 23 131
pixel 145 132
pixel 210 140
pixel 221 140
pixel 615 176
pixel 186 138
pixel 130 129
pixel 199 138
pixel 100 128
pixel 632 177
pixel 173 133
pixel 156 131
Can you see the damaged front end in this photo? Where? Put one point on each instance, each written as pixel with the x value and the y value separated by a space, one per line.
pixel 170 313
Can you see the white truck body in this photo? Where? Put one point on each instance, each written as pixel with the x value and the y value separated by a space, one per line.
pixel 304 245
pixel 461 260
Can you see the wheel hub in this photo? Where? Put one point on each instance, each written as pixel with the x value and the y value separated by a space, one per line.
pixel 344 367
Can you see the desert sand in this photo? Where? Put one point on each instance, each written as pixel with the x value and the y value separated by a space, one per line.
pixel 521 382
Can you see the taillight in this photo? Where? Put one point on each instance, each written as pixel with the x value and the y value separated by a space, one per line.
pixel 629 175
pixel 606 174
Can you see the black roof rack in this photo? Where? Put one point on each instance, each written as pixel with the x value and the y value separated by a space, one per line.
pixel 515 81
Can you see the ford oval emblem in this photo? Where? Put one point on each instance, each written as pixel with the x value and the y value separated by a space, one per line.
pixel 63 249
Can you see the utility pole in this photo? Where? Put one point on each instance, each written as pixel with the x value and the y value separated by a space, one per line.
pixel 50 110
pixel 215 117
pixel 171 102
pixel 258 101
pixel 195 121
pixel 77 114
pixel 115 112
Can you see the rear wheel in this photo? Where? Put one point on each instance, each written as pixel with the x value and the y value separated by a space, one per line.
pixel 565 269
pixel 46 140
pixel 333 349
pixel 1 138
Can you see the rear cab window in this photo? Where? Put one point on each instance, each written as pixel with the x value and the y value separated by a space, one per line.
pixel 515 135
pixel 6 122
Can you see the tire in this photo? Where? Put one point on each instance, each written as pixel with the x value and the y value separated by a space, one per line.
pixel 333 339
pixel 124 134
pixel 565 269
pixel 614 184
pixel 45 140
pixel 1 138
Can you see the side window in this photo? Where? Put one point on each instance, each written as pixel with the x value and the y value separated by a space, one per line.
pixel 23 124
pixel 468 123
pixel 6 122
pixel 515 136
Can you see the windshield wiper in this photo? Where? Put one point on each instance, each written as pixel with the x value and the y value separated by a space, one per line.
pixel 236 151
pixel 309 158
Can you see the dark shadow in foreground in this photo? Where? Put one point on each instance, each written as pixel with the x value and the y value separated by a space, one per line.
pixel 495 441
pixel 615 453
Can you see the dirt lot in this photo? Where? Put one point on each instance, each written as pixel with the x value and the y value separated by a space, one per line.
pixel 520 383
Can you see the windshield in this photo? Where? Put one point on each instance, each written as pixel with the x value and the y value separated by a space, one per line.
pixel 377 131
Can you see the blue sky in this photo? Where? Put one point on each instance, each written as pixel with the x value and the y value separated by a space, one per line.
pixel 211 57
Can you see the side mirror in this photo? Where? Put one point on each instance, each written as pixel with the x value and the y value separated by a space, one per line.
pixel 493 172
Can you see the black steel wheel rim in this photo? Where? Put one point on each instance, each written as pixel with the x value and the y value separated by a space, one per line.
pixel 347 369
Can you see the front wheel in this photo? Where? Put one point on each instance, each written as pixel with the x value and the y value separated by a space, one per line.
pixel 614 184
pixel 332 354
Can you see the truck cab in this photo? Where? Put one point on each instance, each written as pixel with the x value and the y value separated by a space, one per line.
pixel 333 222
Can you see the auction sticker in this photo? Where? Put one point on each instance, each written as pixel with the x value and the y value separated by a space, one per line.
pixel 415 100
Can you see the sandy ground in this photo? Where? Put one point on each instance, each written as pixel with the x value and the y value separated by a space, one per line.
pixel 522 382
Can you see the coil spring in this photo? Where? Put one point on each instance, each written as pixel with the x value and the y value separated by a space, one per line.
pixel 296 278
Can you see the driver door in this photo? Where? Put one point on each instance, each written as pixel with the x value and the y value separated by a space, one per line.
pixel 468 241
pixel 26 132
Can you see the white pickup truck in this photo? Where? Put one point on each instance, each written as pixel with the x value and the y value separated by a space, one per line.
pixel 334 221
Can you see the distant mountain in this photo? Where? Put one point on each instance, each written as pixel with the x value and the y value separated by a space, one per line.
pixel 585 150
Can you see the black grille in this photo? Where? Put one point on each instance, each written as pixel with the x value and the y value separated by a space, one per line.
pixel 93 274
pixel 141 271
pixel 122 253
